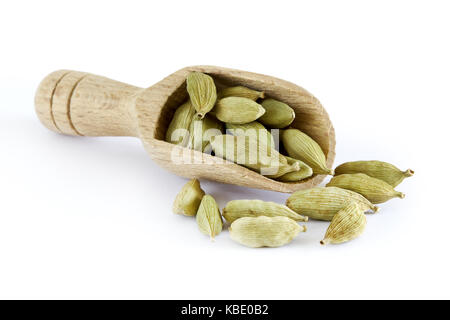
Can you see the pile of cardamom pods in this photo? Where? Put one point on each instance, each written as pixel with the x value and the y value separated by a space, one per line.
pixel 202 121
pixel 355 188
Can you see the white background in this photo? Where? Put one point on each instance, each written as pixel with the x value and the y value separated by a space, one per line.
pixel 91 217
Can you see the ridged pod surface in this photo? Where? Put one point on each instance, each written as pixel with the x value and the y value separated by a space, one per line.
pixel 375 169
pixel 201 131
pixel 348 224
pixel 284 170
pixel 254 129
pixel 181 120
pixel 188 199
pixel 264 231
pixel 278 114
pixel 208 217
pixel 300 146
pixel 304 171
pixel 251 153
pixel 236 209
pixel 202 91
pixel 374 190
pixel 322 203
pixel 240 91
pixel 237 110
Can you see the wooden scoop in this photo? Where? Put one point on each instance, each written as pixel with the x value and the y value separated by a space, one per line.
pixel 83 104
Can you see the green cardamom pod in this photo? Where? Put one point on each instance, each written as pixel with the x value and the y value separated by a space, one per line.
pixel 304 171
pixel 237 110
pixel 188 199
pixel 374 190
pixel 178 130
pixel 236 209
pixel 264 231
pixel 258 131
pixel 209 220
pixel 202 91
pixel 375 169
pixel 251 153
pixel 300 146
pixel 323 203
pixel 254 129
pixel 284 169
pixel 240 91
pixel 278 114
pixel 201 131
pixel 348 224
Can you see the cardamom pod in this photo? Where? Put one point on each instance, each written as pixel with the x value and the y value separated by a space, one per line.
pixel 374 190
pixel 258 131
pixel 284 169
pixel 209 220
pixel 236 209
pixel 264 231
pixel 240 91
pixel 278 114
pixel 254 129
pixel 201 130
pixel 188 199
pixel 304 171
pixel 251 153
pixel 300 146
pixel 347 224
pixel 323 203
pixel 202 91
pixel 375 169
pixel 237 110
pixel 178 130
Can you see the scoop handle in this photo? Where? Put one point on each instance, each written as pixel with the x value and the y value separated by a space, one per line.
pixel 83 104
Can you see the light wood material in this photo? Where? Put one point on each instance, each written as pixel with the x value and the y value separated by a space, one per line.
pixel 77 103
pixel 44 98
pixel 61 101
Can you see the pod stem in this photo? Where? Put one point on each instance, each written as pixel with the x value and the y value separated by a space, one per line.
pixel 325 170
pixel 304 229
pixel 295 166
pixel 325 241
pixel 408 173
pixel 200 116
pixel 375 209
pixel 400 195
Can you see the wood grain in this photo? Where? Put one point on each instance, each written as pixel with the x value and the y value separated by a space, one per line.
pixel 91 105
pixel 62 102
pixel 43 99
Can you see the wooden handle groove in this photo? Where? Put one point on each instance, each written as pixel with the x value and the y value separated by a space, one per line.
pixel 83 104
